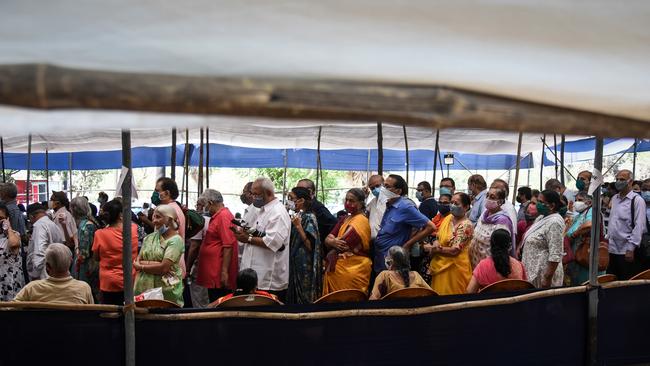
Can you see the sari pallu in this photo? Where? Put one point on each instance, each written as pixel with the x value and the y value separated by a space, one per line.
pixel 351 269
pixel 305 269
pixel 451 275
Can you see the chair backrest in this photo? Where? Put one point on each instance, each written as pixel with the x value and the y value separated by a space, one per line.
pixel 409 293
pixel 645 275
pixel 603 279
pixel 245 301
pixel 155 303
pixel 348 295
pixel 507 285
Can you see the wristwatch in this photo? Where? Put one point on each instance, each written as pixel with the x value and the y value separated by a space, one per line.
pixel 250 238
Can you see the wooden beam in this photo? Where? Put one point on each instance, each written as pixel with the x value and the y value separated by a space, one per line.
pixel 434 106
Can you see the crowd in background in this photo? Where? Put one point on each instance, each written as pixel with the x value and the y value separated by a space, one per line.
pixel 298 251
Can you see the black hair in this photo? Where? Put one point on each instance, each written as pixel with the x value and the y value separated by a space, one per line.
pixel 93 210
pixel 112 211
pixel 303 193
pixel 464 198
pixel 310 183
pixel 103 196
pixel 400 184
pixel 445 195
pixel 551 196
pixel 168 184
pixel 535 192
pixel 246 282
pixel 453 183
pixel 500 243
pixel 35 208
pixel 360 195
pixel 526 191
pixel 61 198
pixel 4 208
pixel 425 185
pixel 21 207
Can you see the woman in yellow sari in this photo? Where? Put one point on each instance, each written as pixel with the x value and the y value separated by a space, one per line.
pixel 348 264
pixel 450 266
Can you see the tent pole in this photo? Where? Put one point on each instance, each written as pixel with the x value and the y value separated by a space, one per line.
pixel 187 166
pixel 129 317
pixel 368 168
pixel 69 175
pixel 47 171
pixel 2 152
pixel 435 160
pixel 593 260
pixel 636 144
pixel 199 189
pixel 173 159
pixel 514 189
pixel 406 145
pixel 555 148
pixel 28 185
pixel 541 165
pixel 207 157
pixel 318 162
pixel 284 178
pixel 562 158
pixel 380 149
pixel 565 169
pixel 530 158
pixel 442 170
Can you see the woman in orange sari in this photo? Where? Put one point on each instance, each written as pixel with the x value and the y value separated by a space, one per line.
pixel 450 266
pixel 348 264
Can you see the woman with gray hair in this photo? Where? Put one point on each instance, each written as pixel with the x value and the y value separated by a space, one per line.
pixel 85 267
pixel 397 276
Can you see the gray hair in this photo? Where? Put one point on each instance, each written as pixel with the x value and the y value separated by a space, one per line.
pixel 212 195
pixel 80 208
pixel 266 184
pixel 584 195
pixel 401 264
pixel 59 257
pixel 9 191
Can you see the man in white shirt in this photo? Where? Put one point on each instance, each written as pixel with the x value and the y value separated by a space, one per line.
pixel 250 212
pixel 63 218
pixel 44 233
pixel 268 255
pixel 374 207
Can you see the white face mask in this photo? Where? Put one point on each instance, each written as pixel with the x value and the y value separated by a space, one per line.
pixel 291 205
pixel 385 195
pixel 579 206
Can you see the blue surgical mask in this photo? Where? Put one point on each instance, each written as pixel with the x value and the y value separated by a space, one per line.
pixel 163 229
pixel 457 210
pixel 645 195
pixel 445 190
pixel 419 196
pixel 375 191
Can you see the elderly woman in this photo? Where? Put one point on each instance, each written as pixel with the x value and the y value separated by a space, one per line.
pixel 493 218
pixel 107 251
pixel 11 269
pixel 305 267
pixel 348 261
pixel 397 276
pixel 217 262
pixel 450 267
pixel 498 266
pixel 158 263
pixel 580 234
pixel 85 268
pixel 543 244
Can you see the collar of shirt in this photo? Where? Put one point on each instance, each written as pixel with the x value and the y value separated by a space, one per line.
pixel 398 203
pixel 59 279
pixel 270 205
pixel 630 195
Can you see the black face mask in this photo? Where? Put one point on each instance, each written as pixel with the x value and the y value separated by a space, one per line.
pixel 444 208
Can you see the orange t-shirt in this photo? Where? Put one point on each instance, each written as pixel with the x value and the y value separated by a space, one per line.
pixel 108 244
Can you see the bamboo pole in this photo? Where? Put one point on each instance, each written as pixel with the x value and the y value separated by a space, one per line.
pixel 555 154
pixel 207 157
pixel 562 159
pixel 2 152
pixel 199 189
pixel 69 175
pixel 318 165
pixel 541 165
pixel 368 168
pixel 636 144
pixel 284 177
pixel 380 149
pixel 47 171
pixel 186 163
pixel 556 159
pixel 593 260
pixel 173 155
pixel 435 161
pixel 518 166
pixel 28 183
pixel 129 316
pixel 406 146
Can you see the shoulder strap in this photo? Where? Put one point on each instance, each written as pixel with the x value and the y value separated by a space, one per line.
pixel 632 212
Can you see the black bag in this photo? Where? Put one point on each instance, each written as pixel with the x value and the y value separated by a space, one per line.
pixel 643 251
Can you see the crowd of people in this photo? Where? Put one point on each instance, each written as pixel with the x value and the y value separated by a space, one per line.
pixel 298 251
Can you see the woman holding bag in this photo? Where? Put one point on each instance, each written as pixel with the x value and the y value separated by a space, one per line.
pixel 579 235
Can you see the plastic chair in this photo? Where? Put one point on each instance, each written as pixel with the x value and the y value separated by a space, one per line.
pixel 156 304
pixel 409 293
pixel 603 279
pixel 349 295
pixel 245 301
pixel 507 285
pixel 645 275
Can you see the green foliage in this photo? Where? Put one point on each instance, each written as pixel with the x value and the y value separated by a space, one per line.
pixel 8 173
pixel 331 179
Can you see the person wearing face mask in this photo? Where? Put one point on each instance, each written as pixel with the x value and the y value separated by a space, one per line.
pixel 60 204
pixel 523 225
pixel 305 265
pixel 428 205
pixel 198 294
pixel 524 195
pixel 326 220
pixel 44 233
pixel 400 220
pixel 627 224
pixel 11 269
pixel 447 186
pixel 348 264
pixel 492 219
pixel 450 267
pixel 583 181
pixel 107 250
pixel 444 202
pixel 374 208
pixel 268 255
pixel 580 234
pixel 158 263
pixel 477 189
pixel 397 275
pixel 250 212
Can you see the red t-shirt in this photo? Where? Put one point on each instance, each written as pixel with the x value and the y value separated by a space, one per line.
pixel 108 245
pixel 217 237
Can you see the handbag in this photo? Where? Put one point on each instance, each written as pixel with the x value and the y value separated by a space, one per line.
pixel 584 248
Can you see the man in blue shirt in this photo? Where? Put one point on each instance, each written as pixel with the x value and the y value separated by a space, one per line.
pixel 477 189
pixel 399 221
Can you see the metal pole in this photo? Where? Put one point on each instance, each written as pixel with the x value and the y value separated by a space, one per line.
pixel 2 152
pixel 380 149
pixel 284 178
pixel 28 185
pixel 442 170
pixel 207 157
pixel 173 159
pixel 129 316
pixel 187 166
pixel 318 163
pixel 435 160
pixel 562 159
pixel 199 189
pixel 593 261
pixel 69 175
pixel 565 169
pixel 636 144
pixel 368 168
pixel 406 145
pixel 47 171
pixel 514 189
pixel 541 165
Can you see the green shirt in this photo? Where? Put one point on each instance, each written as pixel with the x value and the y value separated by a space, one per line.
pixel 156 248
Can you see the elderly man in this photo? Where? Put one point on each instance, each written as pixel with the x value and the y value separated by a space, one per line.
pixel 44 233
pixel 59 287
pixel 268 255
pixel 399 221
pixel 250 212
pixel 198 294
pixel 477 188
pixel 324 217
pixel 583 181
pixel 374 207
pixel 627 223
